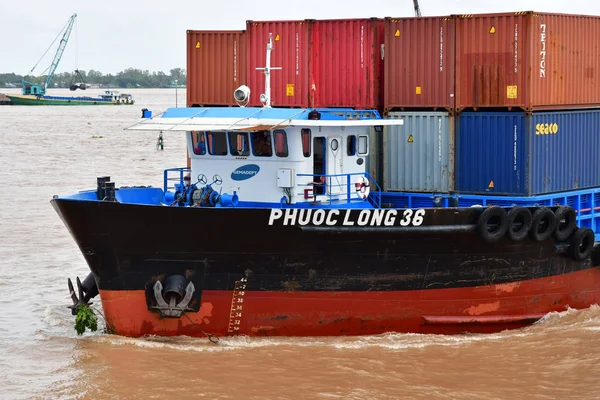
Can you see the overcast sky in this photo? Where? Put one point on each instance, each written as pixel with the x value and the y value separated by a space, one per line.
pixel 113 35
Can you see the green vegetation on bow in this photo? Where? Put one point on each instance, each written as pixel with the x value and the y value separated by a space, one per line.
pixel 86 318
pixel 129 78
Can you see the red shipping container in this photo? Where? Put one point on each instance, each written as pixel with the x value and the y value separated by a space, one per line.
pixel 216 66
pixel 346 62
pixel 419 63
pixel 527 60
pixel 290 85
pixel 565 61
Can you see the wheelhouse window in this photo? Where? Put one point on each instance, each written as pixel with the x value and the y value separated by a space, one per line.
pixel 363 145
pixel 281 144
pixel 239 143
pixel 351 145
pixel 217 143
pixel 305 135
pixel 199 142
pixel 261 143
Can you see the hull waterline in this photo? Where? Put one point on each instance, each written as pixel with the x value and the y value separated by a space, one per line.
pixel 482 309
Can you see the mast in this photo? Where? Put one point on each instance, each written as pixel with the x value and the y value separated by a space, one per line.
pixel 417 8
pixel 265 98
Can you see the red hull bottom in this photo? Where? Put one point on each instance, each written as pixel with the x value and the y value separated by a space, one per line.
pixel 482 309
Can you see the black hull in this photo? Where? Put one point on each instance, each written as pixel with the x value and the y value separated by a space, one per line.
pixel 129 246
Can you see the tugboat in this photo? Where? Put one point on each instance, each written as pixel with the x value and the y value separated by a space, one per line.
pixel 277 228
pixel 116 97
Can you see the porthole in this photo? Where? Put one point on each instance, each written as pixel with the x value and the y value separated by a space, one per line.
pixel 334 144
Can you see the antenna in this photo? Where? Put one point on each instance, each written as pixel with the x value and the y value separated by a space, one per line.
pixel 417 8
pixel 265 98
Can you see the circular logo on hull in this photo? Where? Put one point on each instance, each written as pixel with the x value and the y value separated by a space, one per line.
pixel 245 172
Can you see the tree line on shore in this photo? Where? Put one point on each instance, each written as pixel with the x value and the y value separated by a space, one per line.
pixel 129 78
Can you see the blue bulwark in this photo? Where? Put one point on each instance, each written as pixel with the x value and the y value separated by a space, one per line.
pixel 585 202
pixel 328 114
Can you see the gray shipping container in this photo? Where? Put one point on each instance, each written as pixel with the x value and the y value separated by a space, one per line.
pixel 419 155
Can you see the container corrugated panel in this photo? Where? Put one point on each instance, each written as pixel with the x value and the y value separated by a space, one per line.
pixel 216 66
pixel 491 153
pixel 526 60
pixel 565 150
pixel 418 156
pixel 515 154
pixel 346 61
pixel 419 63
pixel 290 85
pixel 564 61
pixel 492 60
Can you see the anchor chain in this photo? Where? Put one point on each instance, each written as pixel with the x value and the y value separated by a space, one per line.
pixel 211 336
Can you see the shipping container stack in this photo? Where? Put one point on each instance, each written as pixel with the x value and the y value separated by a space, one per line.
pixel 504 104
pixel 324 63
pixel 521 95
pixel 528 95
pixel 419 88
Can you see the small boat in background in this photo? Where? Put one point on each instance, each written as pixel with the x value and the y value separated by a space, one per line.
pixel 34 93
pixel 109 97
pixel 115 97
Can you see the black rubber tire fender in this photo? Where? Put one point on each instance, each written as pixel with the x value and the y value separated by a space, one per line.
pixel 542 225
pixel 565 229
pixel 521 216
pixel 496 218
pixel 582 244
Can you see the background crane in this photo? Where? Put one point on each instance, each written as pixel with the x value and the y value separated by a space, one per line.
pixel 40 89
pixel 417 9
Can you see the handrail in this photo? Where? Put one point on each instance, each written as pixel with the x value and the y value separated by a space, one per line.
pixel 346 195
pixel 179 179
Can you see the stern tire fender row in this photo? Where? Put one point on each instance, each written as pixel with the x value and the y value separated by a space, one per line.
pixel 518 223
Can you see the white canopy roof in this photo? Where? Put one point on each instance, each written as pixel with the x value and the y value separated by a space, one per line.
pixel 248 124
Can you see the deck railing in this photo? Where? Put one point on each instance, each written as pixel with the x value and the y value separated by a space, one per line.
pixel 585 202
pixel 338 189
pixel 172 176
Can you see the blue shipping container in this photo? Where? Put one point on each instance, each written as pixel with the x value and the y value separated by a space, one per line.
pixel 524 155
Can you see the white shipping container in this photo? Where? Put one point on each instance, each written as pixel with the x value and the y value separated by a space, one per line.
pixel 419 155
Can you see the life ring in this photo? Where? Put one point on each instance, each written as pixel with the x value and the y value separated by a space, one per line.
pixel 362 187
pixel 566 223
pixel 582 244
pixel 492 224
pixel 542 225
pixel 519 223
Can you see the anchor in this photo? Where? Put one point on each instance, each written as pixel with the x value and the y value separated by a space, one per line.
pixel 173 309
pixel 88 287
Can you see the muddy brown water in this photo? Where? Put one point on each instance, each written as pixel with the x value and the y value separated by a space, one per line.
pixel 58 150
